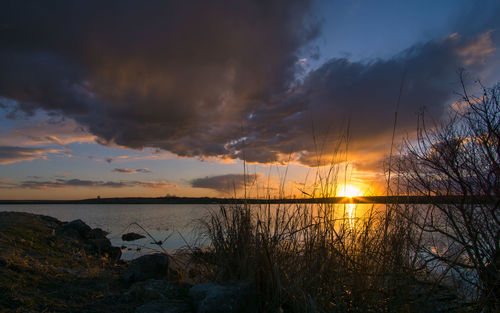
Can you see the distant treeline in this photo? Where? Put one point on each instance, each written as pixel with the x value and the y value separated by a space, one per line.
pixel 208 200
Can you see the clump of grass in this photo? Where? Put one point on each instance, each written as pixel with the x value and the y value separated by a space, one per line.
pixel 306 258
pixel 315 257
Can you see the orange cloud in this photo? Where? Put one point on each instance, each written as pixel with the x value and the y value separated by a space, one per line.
pixel 478 49
pixel 47 133
pixel 72 183
pixel 12 154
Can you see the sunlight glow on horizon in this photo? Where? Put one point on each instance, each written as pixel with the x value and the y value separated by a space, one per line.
pixel 348 191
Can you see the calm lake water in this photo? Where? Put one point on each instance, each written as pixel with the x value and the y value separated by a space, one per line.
pixel 174 224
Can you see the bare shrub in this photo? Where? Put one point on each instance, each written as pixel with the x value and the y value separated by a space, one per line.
pixel 459 159
pixel 403 258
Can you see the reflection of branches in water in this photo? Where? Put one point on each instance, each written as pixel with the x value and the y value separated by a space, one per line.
pixel 159 243
pixel 156 242
pixel 459 158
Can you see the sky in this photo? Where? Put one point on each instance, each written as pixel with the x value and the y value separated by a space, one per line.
pixel 202 98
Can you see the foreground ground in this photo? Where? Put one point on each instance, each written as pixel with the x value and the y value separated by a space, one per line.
pixel 49 266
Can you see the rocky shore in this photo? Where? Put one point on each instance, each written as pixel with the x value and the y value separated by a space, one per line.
pixel 51 266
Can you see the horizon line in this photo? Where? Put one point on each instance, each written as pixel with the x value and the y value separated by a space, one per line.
pixel 401 199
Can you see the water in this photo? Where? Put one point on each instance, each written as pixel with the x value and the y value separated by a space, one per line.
pixel 175 221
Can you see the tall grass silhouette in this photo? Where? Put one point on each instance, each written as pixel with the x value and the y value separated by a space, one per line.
pixel 314 257
pixel 395 258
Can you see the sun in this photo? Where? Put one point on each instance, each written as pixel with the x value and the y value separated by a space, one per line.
pixel 348 191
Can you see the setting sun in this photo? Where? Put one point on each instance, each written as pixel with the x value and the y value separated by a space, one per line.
pixel 349 191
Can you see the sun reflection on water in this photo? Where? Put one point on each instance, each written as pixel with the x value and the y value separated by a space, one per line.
pixel 351 213
pixel 349 191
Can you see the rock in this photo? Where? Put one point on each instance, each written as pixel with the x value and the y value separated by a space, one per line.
pixel 146 267
pixel 46 265
pixel 102 246
pixel 156 289
pixel 95 240
pixel 97 233
pixel 76 228
pixel 75 233
pixel 28 220
pixel 132 236
pixel 237 297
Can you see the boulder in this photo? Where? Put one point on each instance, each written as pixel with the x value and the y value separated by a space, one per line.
pixel 28 221
pixel 156 290
pixel 77 229
pixel 148 266
pixel 102 246
pixel 132 236
pixel 45 265
pixel 235 297
pixel 94 240
pixel 97 233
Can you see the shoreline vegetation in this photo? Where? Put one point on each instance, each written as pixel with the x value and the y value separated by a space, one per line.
pixel 437 250
pixel 402 199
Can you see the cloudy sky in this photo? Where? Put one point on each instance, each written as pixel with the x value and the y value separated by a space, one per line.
pixel 133 98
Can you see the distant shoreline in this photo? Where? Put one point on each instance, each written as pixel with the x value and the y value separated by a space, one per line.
pixel 207 200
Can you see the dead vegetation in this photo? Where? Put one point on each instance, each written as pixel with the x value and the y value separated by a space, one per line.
pixel 405 258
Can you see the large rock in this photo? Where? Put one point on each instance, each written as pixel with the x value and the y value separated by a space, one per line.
pixel 77 229
pixel 231 297
pixel 102 246
pixel 156 289
pixel 46 267
pixel 132 236
pixel 147 267
pixel 28 221
pixel 97 233
pixel 94 240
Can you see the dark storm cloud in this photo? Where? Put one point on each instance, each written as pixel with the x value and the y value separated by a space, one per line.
pixel 177 75
pixel 224 183
pixel 216 78
pixel 61 183
pixel 365 92
pixel 10 154
pixel 66 183
pixel 131 171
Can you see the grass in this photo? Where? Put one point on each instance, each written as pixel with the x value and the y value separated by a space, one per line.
pixel 315 257
pixel 440 257
pixel 307 258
